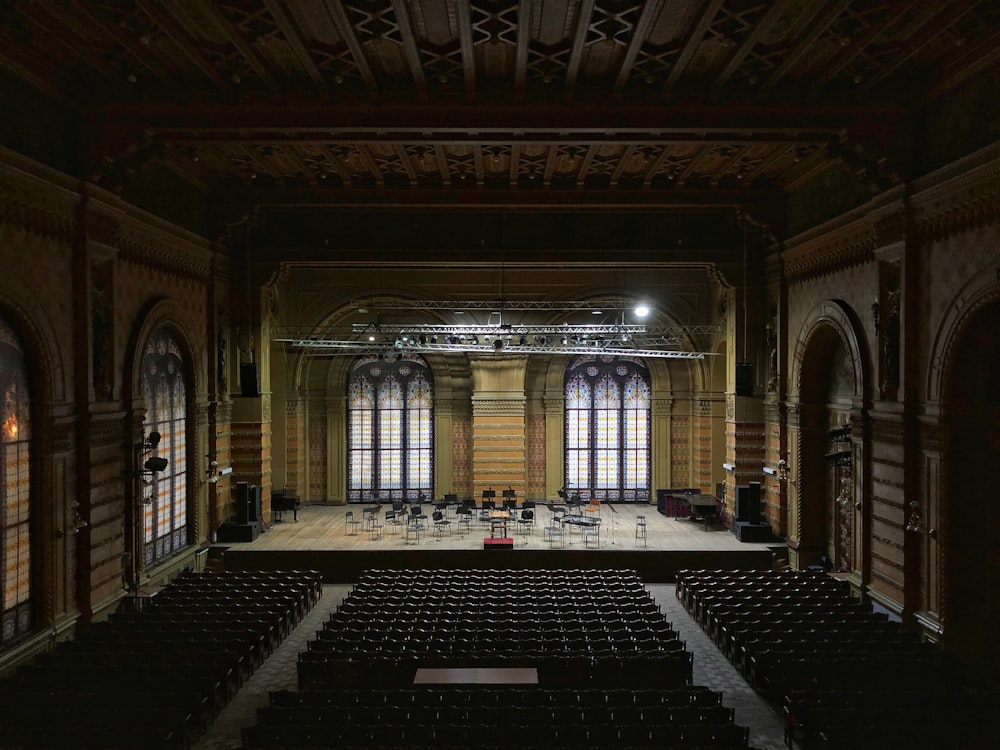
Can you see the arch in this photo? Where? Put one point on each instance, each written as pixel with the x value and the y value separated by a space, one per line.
pixel 822 396
pixel 19 458
pixel 390 442
pixel 608 427
pixel 964 377
pixel 158 316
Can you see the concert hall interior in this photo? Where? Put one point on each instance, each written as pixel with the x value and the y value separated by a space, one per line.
pixel 572 287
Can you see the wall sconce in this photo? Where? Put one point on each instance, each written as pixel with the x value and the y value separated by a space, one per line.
pixel 916 522
pixel 210 475
pixel 79 523
pixel 783 470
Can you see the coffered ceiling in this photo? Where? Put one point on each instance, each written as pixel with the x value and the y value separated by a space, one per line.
pixel 664 104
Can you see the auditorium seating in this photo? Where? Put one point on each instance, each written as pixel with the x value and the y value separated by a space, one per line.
pixel 154 676
pixel 845 675
pixel 611 671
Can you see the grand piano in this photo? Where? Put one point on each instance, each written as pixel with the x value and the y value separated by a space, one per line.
pixel 281 502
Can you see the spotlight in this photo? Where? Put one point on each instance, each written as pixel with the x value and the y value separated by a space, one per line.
pixel 497 345
pixel 153 440
pixel 155 463
pixel 641 310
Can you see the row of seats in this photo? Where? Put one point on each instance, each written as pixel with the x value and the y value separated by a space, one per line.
pixel 611 671
pixel 450 717
pixel 667 670
pixel 800 638
pixel 155 674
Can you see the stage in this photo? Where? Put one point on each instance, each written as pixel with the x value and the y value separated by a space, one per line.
pixel 323 540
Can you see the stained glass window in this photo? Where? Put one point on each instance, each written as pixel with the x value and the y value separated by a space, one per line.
pixel 164 494
pixel 15 486
pixel 607 428
pixel 389 433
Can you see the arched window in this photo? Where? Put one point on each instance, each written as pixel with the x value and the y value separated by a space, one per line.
pixel 607 428
pixel 390 428
pixel 164 493
pixel 15 488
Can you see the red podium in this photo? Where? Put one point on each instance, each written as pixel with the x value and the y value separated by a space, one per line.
pixel 498 543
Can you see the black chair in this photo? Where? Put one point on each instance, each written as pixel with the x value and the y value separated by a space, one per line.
pixel 440 522
pixel 527 521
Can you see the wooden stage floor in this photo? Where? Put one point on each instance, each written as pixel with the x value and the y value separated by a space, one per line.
pixel 321 540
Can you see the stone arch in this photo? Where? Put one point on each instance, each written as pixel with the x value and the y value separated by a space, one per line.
pixel 964 378
pixel 158 313
pixel 33 334
pixel 824 395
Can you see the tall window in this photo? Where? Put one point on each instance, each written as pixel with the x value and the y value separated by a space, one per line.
pixel 389 435
pixel 164 494
pixel 607 428
pixel 15 486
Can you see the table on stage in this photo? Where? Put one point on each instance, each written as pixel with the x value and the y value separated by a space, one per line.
pixel 703 507
pixel 498 521
pixel 584 523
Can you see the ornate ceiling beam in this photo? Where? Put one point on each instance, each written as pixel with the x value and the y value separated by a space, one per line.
pixel 669 200
pixel 691 45
pixel 550 165
pixel 622 163
pixel 650 10
pixel 366 156
pixel 299 164
pixel 971 62
pixel 464 20
pixel 292 34
pixel 338 165
pixel 775 153
pixel 404 159
pixel 817 28
pixel 486 121
pixel 689 169
pixel 581 175
pixel 410 48
pixel 726 165
pixel 59 32
pixel 774 12
pixel 854 47
pixel 477 152
pixel 442 162
pixel 338 15
pixel 180 36
pixel 515 157
pixel 654 169
pixel 935 20
pixel 584 11
pixel 521 55
pixel 233 34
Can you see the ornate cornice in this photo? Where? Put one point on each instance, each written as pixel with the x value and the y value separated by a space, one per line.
pixel 498 406
pixel 35 203
pixel 839 248
pixel 885 431
pixel 958 202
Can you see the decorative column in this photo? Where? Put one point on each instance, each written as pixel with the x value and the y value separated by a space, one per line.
pixel 498 432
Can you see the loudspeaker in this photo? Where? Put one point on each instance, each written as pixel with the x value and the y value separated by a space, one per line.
pixel 748 502
pixel 249 380
pixel 254 510
pixel 241 503
pixel 744 379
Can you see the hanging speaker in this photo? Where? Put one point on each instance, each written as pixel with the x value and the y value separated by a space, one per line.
pixel 249 380
pixel 744 379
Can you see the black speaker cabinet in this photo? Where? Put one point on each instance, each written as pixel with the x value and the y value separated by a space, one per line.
pixel 748 502
pixel 744 379
pixel 241 503
pixel 254 510
pixel 249 380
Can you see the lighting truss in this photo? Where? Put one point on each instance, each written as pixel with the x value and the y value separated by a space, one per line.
pixel 333 348
pixel 379 303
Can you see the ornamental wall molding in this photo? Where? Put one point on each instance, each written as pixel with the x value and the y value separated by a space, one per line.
pixel 156 248
pixel 34 204
pixel 887 431
pixel 962 196
pixel 498 407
